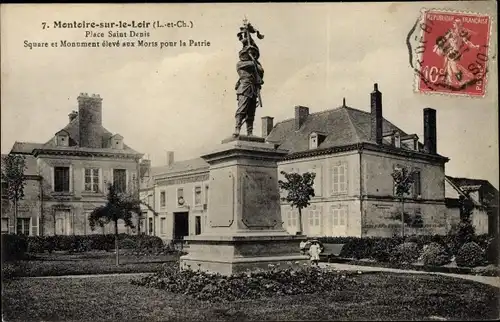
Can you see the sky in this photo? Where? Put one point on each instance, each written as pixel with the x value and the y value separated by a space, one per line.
pixel 182 99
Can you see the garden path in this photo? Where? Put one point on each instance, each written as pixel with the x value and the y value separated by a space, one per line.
pixel 490 280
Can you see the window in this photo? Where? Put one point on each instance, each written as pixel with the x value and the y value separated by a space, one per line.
pixel 314 220
pixel 336 222
pixel 61 179
pixel 180 196
pixel 5 225
pixel 120 179
pixel 206 194
pixel 197 196
pixel 197 226
pixel 339 179
pixel 417 184
pixel 5 187
pixel 92 180
pixel 317 180
pixel 313 142
pixel 150 226
pixel 163 226
pixel 23 226
pixel 163 199
pixel 292 216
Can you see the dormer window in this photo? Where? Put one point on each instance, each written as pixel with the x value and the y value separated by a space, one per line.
pixel 117 142
pixel 315 140
pixel 62 138
pixel 397 139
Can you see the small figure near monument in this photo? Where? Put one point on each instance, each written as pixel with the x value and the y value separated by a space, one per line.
pixel 250 80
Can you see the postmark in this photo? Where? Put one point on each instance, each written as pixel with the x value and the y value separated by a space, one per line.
pixel 449 52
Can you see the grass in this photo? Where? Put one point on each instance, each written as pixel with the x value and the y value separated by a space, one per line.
pixel 58 264
pixel 378 296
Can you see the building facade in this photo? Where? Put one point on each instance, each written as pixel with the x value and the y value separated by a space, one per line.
pixel 353 154
pixel 179 193
pixel 69 174
pixel 482 195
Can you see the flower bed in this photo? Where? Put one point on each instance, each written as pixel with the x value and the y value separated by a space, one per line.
pixel 252 285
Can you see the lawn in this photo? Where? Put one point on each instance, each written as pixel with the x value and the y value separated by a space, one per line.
pixel 95 262
pixel 377 296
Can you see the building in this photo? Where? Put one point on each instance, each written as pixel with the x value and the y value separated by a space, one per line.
pixel 484 197
pixel 181 198
pixel 353 154
pixel 69 173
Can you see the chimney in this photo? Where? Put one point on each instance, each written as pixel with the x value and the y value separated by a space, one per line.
pixel 144 168
pixel 72 115
pixel 90 120
pixel 376 115
pixel 430 135
pixel 301 113
pixel 267 125
pixel 170 158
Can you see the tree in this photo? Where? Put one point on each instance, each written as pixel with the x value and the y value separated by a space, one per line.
pixel 119 206
pixel 13 167
pixel 300 190
pixel 403 182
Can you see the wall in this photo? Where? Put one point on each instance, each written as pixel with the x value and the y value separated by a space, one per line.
pixel 73 208
pixel 380 207
pixel 331 213
pixel 170 185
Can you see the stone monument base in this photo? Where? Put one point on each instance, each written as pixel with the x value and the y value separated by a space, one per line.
pixel 243 252
pixel 244 229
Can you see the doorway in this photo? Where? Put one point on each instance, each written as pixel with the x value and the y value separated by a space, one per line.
pixel 181 225
pixel 197 225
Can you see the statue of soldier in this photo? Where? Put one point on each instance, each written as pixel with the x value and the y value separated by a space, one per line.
pixel 250 80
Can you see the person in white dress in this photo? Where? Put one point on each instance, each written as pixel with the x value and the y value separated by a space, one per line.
pixel 314 251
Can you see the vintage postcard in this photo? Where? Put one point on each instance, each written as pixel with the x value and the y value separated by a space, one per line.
pixel 250 161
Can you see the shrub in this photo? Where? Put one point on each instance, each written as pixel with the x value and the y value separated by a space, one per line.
pixel 14 247
pixel 470 255
pixel 127 243
pixel 490 270
pixel 36 244
pixel 252 285
pixel 463 232
pixel 492 251
pixel 435 254
pixel 405 253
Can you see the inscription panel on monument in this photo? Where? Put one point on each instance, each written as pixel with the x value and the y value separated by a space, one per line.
pixel 261 204
pixel 221 206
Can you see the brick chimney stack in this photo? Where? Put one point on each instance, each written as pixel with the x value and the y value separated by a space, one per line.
pixel 170 158
pixel 90 120
pixel 267 125
pixel 376 115
pixel 430 133
pixel 301 114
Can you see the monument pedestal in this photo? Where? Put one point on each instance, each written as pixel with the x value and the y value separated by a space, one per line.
pixel 244 228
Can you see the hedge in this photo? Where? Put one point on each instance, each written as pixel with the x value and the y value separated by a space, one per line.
pixel 81 243
pixel 379 248
pixel 14 247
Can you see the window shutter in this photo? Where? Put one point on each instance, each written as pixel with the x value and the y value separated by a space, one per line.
pixel 34 226
pixel 52 180
pixel 101 187
pixel 70 178
pixel 83 179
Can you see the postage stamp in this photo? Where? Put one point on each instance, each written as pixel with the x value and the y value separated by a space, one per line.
pixel 449 52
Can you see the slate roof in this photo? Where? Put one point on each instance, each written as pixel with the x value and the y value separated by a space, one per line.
pixel 342 126
pixel 180 167
pixel 469 184
pixel 74 137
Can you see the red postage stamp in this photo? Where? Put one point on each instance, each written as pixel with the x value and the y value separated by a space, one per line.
pixel 452 53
